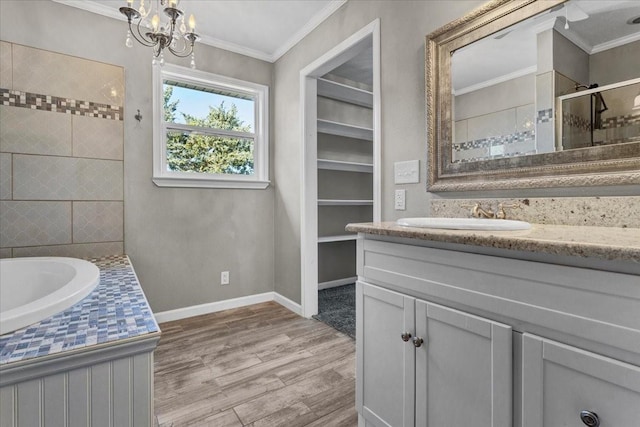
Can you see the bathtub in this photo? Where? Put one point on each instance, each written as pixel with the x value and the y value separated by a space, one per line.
pixel 32 289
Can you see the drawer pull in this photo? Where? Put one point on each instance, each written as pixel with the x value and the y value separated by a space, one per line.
pixel 406 336
pixel 417 342
pixel 589 418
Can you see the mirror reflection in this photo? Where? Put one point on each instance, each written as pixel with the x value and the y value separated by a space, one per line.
pixel 565 79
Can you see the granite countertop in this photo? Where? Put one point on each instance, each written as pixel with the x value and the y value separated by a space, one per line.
pixel 609 243
pixel 115 310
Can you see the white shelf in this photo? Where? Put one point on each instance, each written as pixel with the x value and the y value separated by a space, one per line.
pixel 340 238
pixel 345 93
pixel 342 129
pixel 340 165
pixel 339 202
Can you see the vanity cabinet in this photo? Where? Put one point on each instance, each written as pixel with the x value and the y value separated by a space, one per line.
pixel 500 341
pixel 447 367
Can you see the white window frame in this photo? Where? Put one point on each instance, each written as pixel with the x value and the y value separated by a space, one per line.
pixel 163 177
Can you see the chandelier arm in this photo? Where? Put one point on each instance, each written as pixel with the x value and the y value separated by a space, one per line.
pixel 181 53
pixel 142 39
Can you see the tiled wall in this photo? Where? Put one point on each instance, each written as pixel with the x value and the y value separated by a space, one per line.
pixel 505 133
pixel 61 155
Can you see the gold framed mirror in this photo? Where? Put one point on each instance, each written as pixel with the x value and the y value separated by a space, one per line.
pixel 525 94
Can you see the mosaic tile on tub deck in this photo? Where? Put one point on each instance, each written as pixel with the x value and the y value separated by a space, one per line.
pixel 34 223
pixel 97 222
pixel 66 76
pixel 97 138
pixel 116 309
pixel 6 65
pixel 30 131
pixel 65 178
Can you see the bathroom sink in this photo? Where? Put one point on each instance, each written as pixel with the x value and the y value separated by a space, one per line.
pixel 465 224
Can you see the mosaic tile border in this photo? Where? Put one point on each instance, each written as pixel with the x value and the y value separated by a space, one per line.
pixel 495 140
pixel 576 122
pixel 544 116
pixel 621 121
pixel 35 101
pixel 116 309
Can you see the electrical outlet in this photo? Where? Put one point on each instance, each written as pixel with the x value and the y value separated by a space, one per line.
pixel 400 200
pixel 224 278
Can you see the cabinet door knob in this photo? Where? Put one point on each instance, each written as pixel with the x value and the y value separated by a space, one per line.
pixel 417 342
pixel 406 336
pixel 589 418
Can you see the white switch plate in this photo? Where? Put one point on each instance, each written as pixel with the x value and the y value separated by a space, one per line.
pixel 400 200
pixel 406 172
pixel 224 278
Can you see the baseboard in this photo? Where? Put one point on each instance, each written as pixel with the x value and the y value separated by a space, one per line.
pixel 336 283
pixel 212 307
pixel 287 303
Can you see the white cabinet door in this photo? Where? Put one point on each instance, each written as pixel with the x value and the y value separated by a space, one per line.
pixel 463 369
pixel 560 381
pixel 385 364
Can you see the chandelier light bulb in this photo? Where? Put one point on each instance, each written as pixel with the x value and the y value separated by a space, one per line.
pixel 128 42
pixel 192 23
pixel 155 21
pixel 129 3
pixel 173 3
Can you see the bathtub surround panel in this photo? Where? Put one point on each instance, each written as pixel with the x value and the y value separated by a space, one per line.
pixel 101 139
pixel 6 66
pixel 116 309
pixel 5 177
pixel 66 76
pixel 62 144
pixel 98 222
pixel 30 131
pixel 75 250
pixel 66 178
pixel 25 223
pixel 621 212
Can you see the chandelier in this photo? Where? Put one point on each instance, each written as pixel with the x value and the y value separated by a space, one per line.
pixel 157 34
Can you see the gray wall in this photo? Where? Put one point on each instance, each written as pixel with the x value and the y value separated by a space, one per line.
pixel 404 25
pixel 178 239
pixel 615 65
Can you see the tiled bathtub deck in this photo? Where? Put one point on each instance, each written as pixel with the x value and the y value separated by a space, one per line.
pixel 116 309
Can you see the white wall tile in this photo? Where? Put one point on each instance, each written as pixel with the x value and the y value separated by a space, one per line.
pixel 34 223
pixel 6 66
pixel 82 250
pixel 526 118
pixel 5 176
pixel 64 178
pixel 30 131
pixel 460 131
pixel 97 221
pixel 49 73
pixel 97 138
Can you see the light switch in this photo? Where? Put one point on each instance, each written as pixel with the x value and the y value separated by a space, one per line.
pixel 406 172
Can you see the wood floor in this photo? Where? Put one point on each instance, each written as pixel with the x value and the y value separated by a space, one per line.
pixel 260 365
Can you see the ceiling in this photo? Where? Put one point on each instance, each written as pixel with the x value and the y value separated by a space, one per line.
pixel 594 26
pixel 261 29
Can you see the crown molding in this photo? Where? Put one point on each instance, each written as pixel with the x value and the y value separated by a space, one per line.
pixel 317 19
pixel 500 79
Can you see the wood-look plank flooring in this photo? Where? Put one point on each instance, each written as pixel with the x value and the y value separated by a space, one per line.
pixel 258 366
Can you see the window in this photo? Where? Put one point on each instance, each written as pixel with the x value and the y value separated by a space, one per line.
pixel 209 130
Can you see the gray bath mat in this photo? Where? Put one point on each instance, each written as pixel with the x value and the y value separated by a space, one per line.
pixel 337 308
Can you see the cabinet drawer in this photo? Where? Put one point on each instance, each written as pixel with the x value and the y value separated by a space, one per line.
pixel 560 381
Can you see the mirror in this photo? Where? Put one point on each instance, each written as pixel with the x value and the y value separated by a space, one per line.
pixel 535 94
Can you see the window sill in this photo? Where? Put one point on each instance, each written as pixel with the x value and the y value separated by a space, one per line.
pixel 210 183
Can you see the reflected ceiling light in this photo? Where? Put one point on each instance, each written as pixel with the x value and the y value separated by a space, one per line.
pixel 158 34
pixel 636 102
